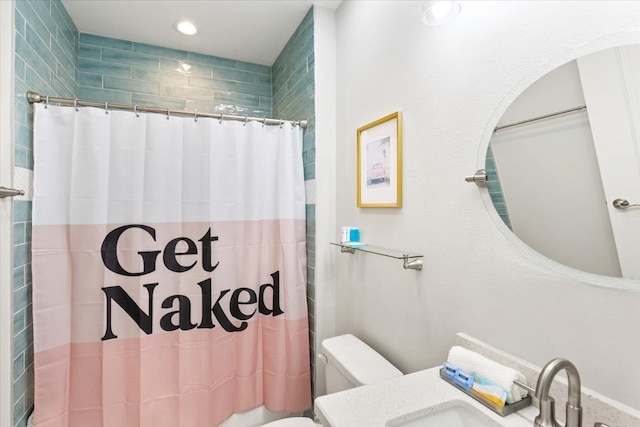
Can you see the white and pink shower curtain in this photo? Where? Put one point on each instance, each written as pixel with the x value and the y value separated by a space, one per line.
pixel 169 269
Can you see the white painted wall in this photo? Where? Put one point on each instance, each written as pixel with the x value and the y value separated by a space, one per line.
pixel 452 84
pixel 324 25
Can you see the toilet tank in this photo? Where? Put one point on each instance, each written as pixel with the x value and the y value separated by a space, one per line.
pixel 352 363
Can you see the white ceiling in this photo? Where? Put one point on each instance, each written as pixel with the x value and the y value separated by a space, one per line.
pixel 246 30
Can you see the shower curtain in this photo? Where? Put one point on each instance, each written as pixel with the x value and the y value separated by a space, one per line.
pixel 169 269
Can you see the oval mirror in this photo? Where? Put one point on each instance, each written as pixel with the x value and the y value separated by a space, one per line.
pixel 563 164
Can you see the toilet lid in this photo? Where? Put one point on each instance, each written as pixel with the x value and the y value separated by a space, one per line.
pixel 292 422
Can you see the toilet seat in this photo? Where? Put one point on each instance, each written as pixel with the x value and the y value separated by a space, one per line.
pixel 292 422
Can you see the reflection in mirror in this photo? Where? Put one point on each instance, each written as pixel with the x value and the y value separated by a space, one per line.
pixel 564 150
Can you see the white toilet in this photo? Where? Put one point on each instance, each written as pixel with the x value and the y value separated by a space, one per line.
pixel 350 363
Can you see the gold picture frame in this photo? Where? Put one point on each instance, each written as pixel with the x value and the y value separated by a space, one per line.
pixel 379 163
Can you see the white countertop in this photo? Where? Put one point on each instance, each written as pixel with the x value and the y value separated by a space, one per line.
pixel 410 395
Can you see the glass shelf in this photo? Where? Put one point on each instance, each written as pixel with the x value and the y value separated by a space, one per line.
pixel 411 261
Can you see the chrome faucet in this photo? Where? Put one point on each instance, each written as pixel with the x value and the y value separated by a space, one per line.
pixel 547 417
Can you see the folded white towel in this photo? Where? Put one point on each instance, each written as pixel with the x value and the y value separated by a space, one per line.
pixel 502 376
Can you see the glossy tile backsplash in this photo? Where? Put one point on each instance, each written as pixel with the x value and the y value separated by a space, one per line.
pixel 45 61
pixel 294 90
pixel 127 72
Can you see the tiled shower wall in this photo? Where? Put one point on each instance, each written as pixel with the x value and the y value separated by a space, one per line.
pixel 126 72
pixel 45 62
pixel 495 189
pixel 53 59
pixel 293 98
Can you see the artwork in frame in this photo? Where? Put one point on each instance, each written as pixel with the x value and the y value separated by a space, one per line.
pixel 379 163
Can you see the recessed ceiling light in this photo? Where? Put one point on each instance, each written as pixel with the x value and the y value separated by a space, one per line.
pixel 185 27
pixel 438 12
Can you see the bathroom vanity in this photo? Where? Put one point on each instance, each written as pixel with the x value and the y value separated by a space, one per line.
pixel 410 398
pixel 423 399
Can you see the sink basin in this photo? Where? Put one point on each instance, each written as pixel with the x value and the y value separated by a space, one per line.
pixel 450 414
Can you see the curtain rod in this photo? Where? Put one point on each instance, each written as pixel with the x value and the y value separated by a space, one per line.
pixel 34 97
pixel 546 116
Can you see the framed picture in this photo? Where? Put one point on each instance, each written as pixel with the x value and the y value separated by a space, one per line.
pixel 379 167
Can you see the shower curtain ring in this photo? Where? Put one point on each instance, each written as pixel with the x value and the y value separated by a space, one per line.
pixel 221 118
pixel 246 118
pixel 281 124
pixel 264 121
pixel 75 104
pixel 106 108
pixel 168 113
pixel 195 116
pixel 46 103
pixel 135 110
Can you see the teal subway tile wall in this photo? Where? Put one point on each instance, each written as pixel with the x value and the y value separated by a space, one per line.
pixel 22 314
pixel 46 61
pixel 54 59
pixel 495 189
pixel 293 98
pixel 127 72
